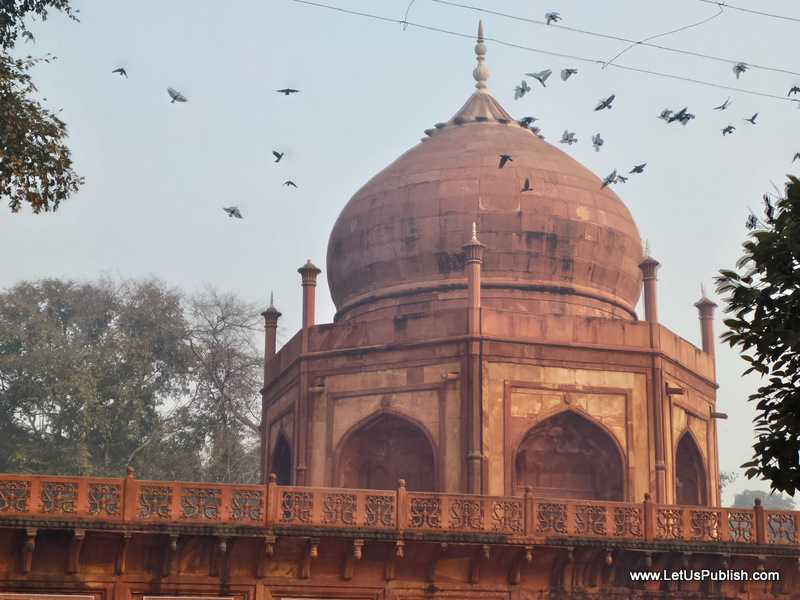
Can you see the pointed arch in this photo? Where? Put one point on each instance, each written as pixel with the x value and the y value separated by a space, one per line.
pixel 691 482
pixel 282 461
pixel 569 456
pixel 383 448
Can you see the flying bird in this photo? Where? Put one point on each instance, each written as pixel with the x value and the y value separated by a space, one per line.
pixel 541 76
pixel 291 183
pixel 504 158
pixel 796 156
pixel 565 73
pixel 527 121
pixel 278 155
pixel 597 141
pixel 287 91
pixel 27 34
pixel 552 17
pixel 739 69
pixel 606 103
pixel 521 90
pixel 527 186
pixel 795 90
pixel 610 179
pixel 568 137
pixel 176 96
pixel 727 130
pixel 751 119
pixel 121 72
pixel 666 114
pixel 682 115
pixel 620 179
pixel 724 105
pixel 638 168
pixel 232 211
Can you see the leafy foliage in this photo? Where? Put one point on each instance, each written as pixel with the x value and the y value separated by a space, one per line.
pixel 747 499
pixel 35 165
pixel 763 297
pixel 13 15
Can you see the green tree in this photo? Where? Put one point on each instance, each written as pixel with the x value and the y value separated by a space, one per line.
pixel 747 499
pixel 35 164
pixel 763 298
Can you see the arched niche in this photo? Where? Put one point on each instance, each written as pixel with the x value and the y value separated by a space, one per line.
pixel 690 474
pixel 569 457
pixel 384 449
pixel 282 461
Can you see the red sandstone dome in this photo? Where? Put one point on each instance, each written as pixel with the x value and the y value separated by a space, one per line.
pixel 564 247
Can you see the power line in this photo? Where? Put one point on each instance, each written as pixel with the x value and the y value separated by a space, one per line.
pixel 755 12
pixel 540 51
pixel 620 39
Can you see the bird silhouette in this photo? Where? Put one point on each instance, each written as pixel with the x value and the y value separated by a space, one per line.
pixel 751 119
pixel 739 69
pixel 526 186
pixel 796 156
pixel 291 183
pixel 526 121
pixel 638 168
pixel 541 76
pixel 795 90
pixel 683 115
pixel 504 158
pixel 597 141
pixel 176 96
pixel 568 137
pixel 521 90
pixel 606 103
pixel 287 91
pixel 233 211
pixel 278 155
pixel 121 71
pixel 27 34
pixel 727 130
pixel 610 179
pixel 620 179
pixel 565 73
pixel 552 17
pixel 666 114
pixel 724 105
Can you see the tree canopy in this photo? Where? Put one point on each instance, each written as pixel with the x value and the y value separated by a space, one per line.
pixel 763 298
pixel 747 499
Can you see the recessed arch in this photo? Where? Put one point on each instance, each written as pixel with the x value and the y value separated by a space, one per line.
pixel 568 456
pixel 282 461
pixel 384 448
pixel 690 473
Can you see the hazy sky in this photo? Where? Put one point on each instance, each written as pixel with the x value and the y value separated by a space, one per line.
pixel 158 174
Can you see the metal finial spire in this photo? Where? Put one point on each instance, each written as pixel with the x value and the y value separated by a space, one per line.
pixel 702 290
pixel 474 231
pixel 481 73
pixel 271 305
pixel 646 248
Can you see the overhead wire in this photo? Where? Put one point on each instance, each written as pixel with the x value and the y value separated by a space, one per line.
pixel 619 39
pixel 540 51
pixel 748 10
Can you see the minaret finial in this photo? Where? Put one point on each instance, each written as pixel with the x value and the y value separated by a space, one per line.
pixel 646 248
pixel 702 290
pixel 474 231
pixel 481 73
pixel 271 295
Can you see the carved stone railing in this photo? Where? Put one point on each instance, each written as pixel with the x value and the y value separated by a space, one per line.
pixel 129 500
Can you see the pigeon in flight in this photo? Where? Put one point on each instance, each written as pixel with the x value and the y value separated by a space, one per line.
pixel 287 91
pixel 504 158
pixel 666 114
pixel 796 156
pixel 606 103
pixel 620 179
pixel 739 69
pixel 278 155
pixel 232 211
pixel 597 141
pixel 27 34
pixel 568 137
pixel 724 105
pixel 526 121
pixel 638 168
pixel 521 90
pixel 682 115
pixel 769 209
pixel 527 186
pixel 795 90
pixel 122 72
pixel 727 130
pixel 552 17
pixel 291 183
pixel 541 76
pixel 176 96
pixel 610 179
pixel 565 73
pixel 751 119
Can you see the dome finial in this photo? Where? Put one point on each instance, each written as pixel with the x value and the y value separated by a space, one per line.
pixel 703 290
pixel 481 73
pixel 271 298
pixel 474 231
pixel 646 248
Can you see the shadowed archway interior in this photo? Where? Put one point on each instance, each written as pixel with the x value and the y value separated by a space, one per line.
pixel 567 456
pixel 282 462
pixel 690 480
pixel 385 450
